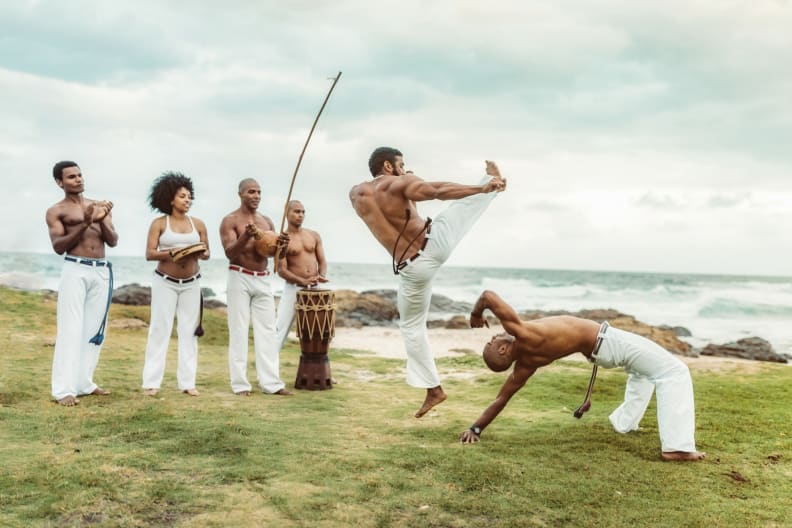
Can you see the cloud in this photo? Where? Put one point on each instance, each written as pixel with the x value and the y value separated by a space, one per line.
pixel 619 125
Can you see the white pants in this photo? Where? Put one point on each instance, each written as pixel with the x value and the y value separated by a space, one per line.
pixel 651 368
pixel 286 312
pixel 184 301
pixel 252 296
pixel 415 283
pixel 82 301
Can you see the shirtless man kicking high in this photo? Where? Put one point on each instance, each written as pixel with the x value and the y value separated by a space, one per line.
pixel 418 247
pixel 80 228
pixel 533 344
pixel 304 266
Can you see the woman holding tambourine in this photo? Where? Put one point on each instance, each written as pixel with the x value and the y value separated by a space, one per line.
pixel 176 241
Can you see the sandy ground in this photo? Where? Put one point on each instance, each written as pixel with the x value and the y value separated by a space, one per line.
pixel 387 342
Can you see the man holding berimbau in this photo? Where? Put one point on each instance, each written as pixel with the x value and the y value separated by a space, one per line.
pixel 248 239
pixel 304 266
pixel 533 344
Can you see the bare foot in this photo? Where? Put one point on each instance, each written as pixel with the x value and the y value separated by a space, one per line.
pixel 68 401
pixel 243 393
pixel 682 456
pixel 191 392
pixel 492 169
pixel 434 396
pixel 99 391
pixel 498 182
pixel 150 392
pixel 283 392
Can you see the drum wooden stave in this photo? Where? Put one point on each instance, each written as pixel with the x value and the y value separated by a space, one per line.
pixel 315 317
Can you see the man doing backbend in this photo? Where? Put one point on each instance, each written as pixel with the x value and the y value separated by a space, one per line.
pixel 80 228
pixel 533 344
pixel 418 247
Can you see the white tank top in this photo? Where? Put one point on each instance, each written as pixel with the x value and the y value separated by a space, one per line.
pixel 172 240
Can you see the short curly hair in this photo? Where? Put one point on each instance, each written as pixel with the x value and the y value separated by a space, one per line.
pixel 380 156
pixel 164 190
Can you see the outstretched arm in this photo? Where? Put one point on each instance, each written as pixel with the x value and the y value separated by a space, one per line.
pixel 506 314
pixel 514 382
pixel 417 190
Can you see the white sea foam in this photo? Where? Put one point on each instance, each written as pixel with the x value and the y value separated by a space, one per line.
pixel 714 308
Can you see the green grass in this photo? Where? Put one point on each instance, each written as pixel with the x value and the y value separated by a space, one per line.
pixel 354 456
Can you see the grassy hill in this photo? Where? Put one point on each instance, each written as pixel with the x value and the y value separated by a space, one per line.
pixel 354 456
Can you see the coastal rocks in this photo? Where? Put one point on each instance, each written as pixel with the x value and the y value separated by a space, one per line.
pixel 132 294
pixel 754 348
pixel 443 304
pixel 136 295
pixel 665 337
pixel 378 308
pixel 457 322
pixel 364 309
pixel 679 331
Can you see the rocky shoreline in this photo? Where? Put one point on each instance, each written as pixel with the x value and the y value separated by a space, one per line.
pixel 378 308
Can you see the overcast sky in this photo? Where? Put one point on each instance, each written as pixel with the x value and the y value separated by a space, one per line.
pixel 643 136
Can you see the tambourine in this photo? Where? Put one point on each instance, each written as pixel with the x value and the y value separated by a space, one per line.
pixel 266 243
pixel 178 254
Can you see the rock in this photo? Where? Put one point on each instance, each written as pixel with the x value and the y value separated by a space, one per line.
pixel 748 348
pixel 369 309
pixel 386 294
pixel 208 292
pixel 132 294
pixel 679 331
pixel 458 322
pixel 213 303
pixel 443 304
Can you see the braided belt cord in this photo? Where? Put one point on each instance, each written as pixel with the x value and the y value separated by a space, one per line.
pixel 315 325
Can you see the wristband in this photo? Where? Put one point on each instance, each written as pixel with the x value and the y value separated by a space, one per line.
pixel 475 429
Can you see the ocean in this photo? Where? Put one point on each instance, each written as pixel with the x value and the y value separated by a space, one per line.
pixel 715 308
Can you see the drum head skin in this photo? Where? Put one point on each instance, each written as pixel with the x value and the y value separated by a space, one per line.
pixel 200 247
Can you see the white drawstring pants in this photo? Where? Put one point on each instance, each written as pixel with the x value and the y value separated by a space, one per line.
pixel 82 300
pixel 415 283
pixel 249 298
pixel 184 301
pixel 651 368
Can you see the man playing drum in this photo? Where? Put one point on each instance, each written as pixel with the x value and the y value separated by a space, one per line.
pixel 303 267
pixel 249 293
pixel 80 228
pixel 418 247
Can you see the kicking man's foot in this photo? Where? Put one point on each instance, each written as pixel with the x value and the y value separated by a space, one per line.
pixel 682 456
pixel 150 392
pixel 68 401
pixel 99 391
pixel 243 393
pixel 434 396
pixel 498 180
pixel 492 169
pixel 192 392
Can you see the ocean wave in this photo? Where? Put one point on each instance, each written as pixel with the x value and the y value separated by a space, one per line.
pixel 728 308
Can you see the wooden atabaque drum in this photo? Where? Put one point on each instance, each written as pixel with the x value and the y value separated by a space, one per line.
pixel 315 314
